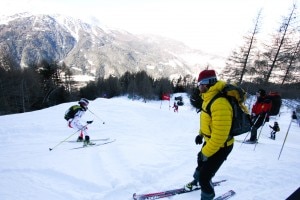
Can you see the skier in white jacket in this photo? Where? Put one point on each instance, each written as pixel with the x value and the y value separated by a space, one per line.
pixel 75 121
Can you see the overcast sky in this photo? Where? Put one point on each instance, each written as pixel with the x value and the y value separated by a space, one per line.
pixel 214 26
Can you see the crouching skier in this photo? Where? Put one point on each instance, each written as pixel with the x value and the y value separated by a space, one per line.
pixel 73 115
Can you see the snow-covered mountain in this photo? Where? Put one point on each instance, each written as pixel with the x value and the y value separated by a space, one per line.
pixel 90 49
pixel 154 150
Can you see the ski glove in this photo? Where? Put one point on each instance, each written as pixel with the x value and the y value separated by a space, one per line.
pixel 198 139
pixel 202 157
pixel 89 122
pixel 201 160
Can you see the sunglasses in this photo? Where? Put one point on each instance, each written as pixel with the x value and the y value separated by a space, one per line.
pixel 200 83
pixel 207 81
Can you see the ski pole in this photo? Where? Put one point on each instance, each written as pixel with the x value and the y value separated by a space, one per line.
pixel 285 138
pixel 294 116
pixel 260 131
pixel 50 149
pixel 103 122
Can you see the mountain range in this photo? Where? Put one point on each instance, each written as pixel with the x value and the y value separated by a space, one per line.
pixel 97 51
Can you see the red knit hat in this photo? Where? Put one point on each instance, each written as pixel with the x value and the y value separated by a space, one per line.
pixel 207 77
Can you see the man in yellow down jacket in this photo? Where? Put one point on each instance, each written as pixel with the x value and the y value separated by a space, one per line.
pixel 215 130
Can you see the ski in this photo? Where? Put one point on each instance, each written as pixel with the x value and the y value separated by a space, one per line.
pixel 226 195
pixel 168 193
pixel 245 142
pixel 92 140
pixel 94 145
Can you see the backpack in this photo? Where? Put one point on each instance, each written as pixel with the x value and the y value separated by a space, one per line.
pixel 195 100
pixel 276 103
pixel 236 96
pixel 70 113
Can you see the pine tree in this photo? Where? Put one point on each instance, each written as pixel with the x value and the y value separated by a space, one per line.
pixel 278 53
pixel 238 63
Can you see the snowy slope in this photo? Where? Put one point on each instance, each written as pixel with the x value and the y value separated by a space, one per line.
pixel 154 150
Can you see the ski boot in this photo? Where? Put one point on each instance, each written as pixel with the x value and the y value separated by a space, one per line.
pixel 191 186
pixel 79 139
pixel 87 141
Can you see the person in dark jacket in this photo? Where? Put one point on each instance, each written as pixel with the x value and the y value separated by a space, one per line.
pixel 259 113
pixel 275 129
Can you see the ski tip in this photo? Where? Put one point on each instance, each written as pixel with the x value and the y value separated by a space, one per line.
pixel 233 192
pixel 226 195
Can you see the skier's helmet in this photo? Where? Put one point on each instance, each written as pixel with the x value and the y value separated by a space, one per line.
pixel 83 102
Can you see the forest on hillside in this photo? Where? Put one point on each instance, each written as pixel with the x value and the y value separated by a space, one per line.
pixel 49 84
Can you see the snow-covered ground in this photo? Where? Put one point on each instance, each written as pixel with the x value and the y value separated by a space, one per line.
pixel 154 151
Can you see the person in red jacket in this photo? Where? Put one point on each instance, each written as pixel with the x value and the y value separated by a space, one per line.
pixel 175 106
pixel 259 113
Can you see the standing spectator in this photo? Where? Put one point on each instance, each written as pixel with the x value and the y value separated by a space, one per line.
pixel 259 114
pixel 215 129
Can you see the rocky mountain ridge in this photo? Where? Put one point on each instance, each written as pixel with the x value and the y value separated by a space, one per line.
pixel 92 50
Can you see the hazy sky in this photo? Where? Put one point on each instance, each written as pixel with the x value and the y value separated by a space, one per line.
pixel 215 26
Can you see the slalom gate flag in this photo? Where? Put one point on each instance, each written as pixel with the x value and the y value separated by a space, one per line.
pixel 166 97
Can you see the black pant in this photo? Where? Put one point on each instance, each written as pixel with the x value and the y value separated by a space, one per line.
pixel 273 135
pixel 253 136
pixel 209 168
pixel 258 122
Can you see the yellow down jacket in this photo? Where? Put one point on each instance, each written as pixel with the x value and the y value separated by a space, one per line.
pixel 215 128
